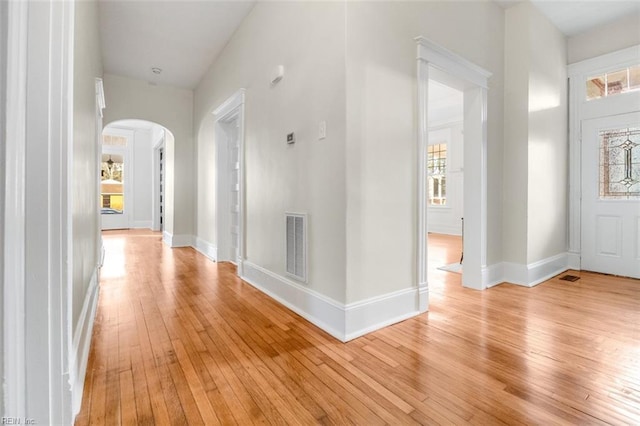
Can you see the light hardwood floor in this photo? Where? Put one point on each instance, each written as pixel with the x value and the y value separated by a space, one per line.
pixel 181 340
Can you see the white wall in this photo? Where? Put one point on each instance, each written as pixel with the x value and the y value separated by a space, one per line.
pixel 87 67
pixel 142 175
pixel 608 38
pixel 171 108
pixel 382 126
pixel 4 20
pixel 309 176
pixel 536 147
pixel 446 219
pixel 516 130
pixel 85 198
pixel 548 141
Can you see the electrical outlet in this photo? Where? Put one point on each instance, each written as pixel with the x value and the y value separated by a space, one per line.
pixel 322 130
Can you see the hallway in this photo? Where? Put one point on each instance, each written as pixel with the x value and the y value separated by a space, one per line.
pixel 179 339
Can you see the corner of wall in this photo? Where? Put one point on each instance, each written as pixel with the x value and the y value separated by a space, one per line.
pixel 344 322
pixel 207 249
pixel 530 275
pixel 173 240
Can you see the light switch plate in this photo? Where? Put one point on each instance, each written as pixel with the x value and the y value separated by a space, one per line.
pixel 322 130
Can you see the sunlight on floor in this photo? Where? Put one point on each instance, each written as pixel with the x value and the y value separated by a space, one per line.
pixel 443 250
pixel 114 257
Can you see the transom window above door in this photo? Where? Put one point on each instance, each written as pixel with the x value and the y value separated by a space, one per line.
pixel 613 83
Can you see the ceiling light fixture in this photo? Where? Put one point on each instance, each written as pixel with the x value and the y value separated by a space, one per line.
pixel 156 70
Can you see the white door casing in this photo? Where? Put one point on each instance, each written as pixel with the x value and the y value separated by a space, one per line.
pixel 229 187
pixel 233 185
pixel 229 137
pixel 444 66
pixel 610 231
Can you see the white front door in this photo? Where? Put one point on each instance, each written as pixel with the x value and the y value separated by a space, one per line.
pixel 610 225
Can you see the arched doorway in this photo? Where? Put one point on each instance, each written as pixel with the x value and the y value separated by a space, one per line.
pixel 133 175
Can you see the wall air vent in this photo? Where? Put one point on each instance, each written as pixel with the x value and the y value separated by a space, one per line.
pixel 296 242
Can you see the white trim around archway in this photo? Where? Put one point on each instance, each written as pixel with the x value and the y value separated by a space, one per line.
pixel 438 63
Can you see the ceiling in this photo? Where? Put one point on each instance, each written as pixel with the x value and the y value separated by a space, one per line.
pixel 573 17
pixel 180 37
pixel 183 37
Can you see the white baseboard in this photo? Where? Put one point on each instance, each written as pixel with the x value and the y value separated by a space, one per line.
pixel 207 249
pixel 141 224
pixel 177 240
pixel 372 314
pixel 344 322
pixel 535 273
pixel 492 275
pixel 320 310
pixel 102 253
pixel 82 342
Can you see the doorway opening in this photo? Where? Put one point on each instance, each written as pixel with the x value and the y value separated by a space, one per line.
pixel 133 183
pixel 445 177
pixel 229 138
pixel 442 66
